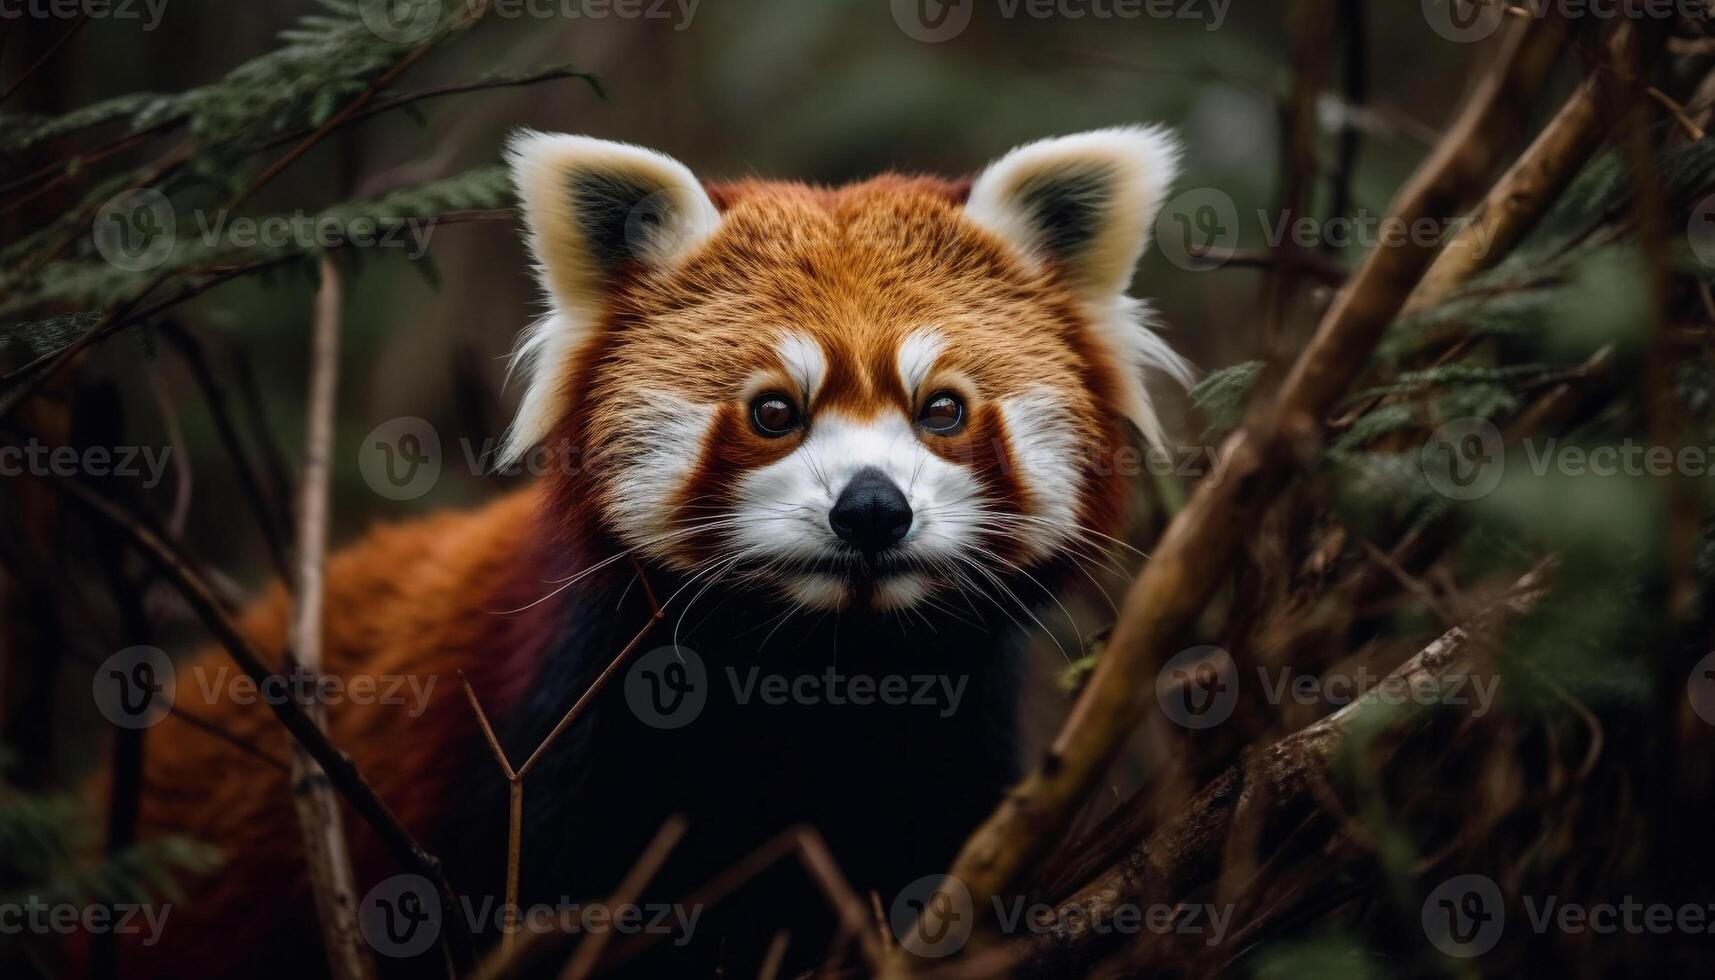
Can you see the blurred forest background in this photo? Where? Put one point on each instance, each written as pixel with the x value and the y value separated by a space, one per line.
pixel 1594 779
pixel 825 92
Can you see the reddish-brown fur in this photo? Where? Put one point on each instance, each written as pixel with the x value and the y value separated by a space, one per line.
pixel 857 268
pixel 409 599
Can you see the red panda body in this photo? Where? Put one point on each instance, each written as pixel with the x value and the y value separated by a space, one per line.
pixel 845 435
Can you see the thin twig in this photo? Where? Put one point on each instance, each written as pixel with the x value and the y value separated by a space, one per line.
pixel 1322 268
pixel 1177 851
pixel 584 700
pixel 527 956
pixel 440 91
pixel 340 770
pixel 1352 23
pixel 23 382
pixel 326 850
pixel 515 777
pixel 630 889
pixel 1677 111
pixel 807 846
pixel 36 65
pixel 214 394
pixel 1299 130
pixel 472 13
pixel 776 954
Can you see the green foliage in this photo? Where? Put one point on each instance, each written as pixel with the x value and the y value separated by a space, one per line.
pixel 222 136
pixel 42 337
pixel 1221 396
pixel 327 59
pixel 48 852
pixel 204 239
pixel 1318 959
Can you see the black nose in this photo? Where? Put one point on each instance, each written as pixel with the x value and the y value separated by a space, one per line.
pixel 871 513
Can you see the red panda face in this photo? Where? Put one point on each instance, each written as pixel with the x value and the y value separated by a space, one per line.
pixel 874 395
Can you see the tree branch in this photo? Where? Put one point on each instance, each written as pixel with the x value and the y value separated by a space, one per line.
pixel 326 850
pixel 1192 556
pixel 340 770
pixel 1187 846
pixel 1534 181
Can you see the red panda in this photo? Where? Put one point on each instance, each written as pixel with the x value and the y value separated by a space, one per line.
pixel 846 432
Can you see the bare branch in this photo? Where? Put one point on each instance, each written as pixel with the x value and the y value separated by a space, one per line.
pixel 1190 560
pixel 1185 847
pixel 326 850
pixel 340 770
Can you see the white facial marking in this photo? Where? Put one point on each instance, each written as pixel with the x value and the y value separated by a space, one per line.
pixel 917 358
pixel 902 591
pixel 651 460
pixel 1044 440
pixel 817 591
pixel 782 509
pixel 805 363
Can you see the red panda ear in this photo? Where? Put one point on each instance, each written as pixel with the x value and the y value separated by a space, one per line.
pixel 1084 204
pixel 592 209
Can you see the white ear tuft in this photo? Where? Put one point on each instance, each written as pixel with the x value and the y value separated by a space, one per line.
pixel 1084 203
pixel 593 210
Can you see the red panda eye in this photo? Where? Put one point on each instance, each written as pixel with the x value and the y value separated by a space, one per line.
pixel 943 414
pixel 773 415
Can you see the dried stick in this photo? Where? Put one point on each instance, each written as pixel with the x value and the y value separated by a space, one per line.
pixel 525 956
pixel 1187 846
pixel 336 765
pixel 776 954
pixel 515 777
pixel 219 410
pixel 1354 64
pixel 629 891
pixel 1523 194
pixel 1299 129
pixel 1192 556
pixel 325 848
pixel 43 59
pixel 812 852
